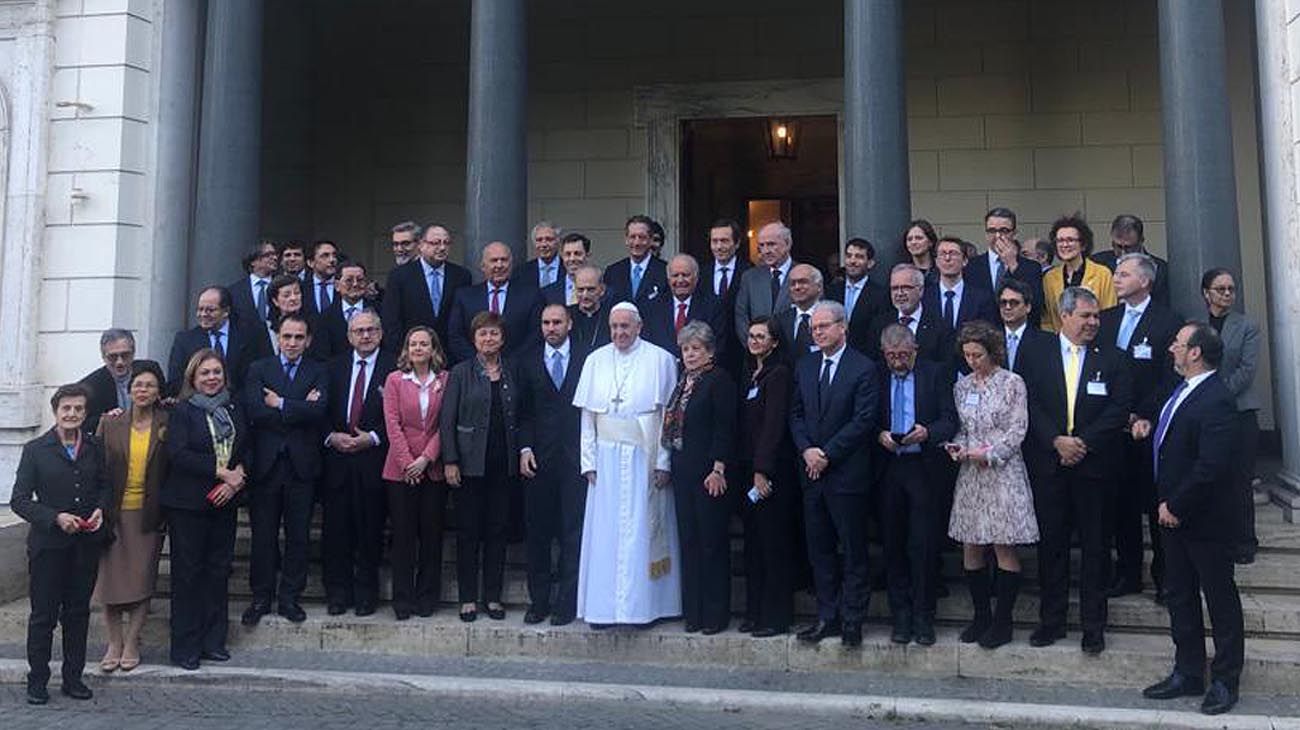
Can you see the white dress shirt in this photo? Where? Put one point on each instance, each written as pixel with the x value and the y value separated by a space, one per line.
pixel 718 266
pixel 834 359
pixel 1192 382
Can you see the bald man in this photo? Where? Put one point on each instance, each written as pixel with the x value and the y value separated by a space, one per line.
pixel 519 306
pixel 689 301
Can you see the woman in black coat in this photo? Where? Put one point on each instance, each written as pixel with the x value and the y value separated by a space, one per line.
pixel 698 426
pixel 206 446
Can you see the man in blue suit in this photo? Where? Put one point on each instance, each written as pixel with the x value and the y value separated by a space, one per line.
pixel 285 397
pixel 951 296
pixel 831 418
pixel 640 277
pixel 518 306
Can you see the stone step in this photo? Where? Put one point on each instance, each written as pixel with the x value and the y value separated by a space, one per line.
pixel 1130 660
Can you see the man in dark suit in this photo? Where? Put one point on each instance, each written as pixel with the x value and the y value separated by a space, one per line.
pixel 353 497
pixel 1127 236
pixel 555 494
pixel 795 322
pixel 1142 329
pixel 286 398
pixel 421 292
pixel 293 259
pixel 1079 400
pixel 640 277
pixel 590 314
pixel 950 296
pixel 1192 457
pixel 831 419
pixel 575 248
pixel 109 385
pixel 933 337
pixel 214 329
pixel 917 416
pixel 863 297
pixel 331 337
pixel 250 300
pixel 518 306
pixel 318 291
pixel 1015 301
pixel 546 267
pixel 1004 259
pixel 763 289
pixel 663 317
pixel 722 273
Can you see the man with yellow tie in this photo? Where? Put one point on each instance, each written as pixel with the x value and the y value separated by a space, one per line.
pixel 1079 401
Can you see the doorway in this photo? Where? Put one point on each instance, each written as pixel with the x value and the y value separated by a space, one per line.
pixel 757 170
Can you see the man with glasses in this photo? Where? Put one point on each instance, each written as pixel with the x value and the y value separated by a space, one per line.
pixel 404 238
pixel 956 302
pixel 421 291
pixel 1003 259
pixel 250 302
pixel 215 329
pixel 933 338
pixel 1127 236
pixel 332 336
pixel 109 385
pixel 546 267
pixel 1024 342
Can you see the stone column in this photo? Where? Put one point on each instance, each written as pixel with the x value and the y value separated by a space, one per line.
pixel 496 189
pixel 877 180
pixel 174 204
pixel 1200 182
pixel 230 139
pixel 1278 139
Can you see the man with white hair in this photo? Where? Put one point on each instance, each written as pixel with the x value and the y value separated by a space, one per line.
pixel 630 554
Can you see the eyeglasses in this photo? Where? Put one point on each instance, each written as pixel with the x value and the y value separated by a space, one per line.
pixel 1003 231
pixel 1006 303
pixel 364 331
pixel 948 254
pixel 1223 289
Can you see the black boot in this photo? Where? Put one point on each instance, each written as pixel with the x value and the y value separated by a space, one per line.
pixel 978 581
pixel 999 631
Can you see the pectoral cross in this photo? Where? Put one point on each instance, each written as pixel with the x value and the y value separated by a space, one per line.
pixel 617 400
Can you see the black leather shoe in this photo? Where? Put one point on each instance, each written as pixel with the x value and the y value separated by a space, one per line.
pixel 216 655
pixel 1219 699
pixel 747 626
pixel 534 616
pixel 496 614
pixel 1093 643
pixel 423 610
pixel 1045 636
pixel 691 627
pixel 852 635
pixel 336 609
pixel 292 612
pixel 189 665
pixel 254 613
pixel 923 629
pixel 365 609
pixel 1175 685
pixel 562 619
pixel 469 616
pixel 767 632
pixel 820 630
pixel 1123 588
pixel 401 613
pixel 711 630
pixel 37 694
pixel 902 633
pixel 77 690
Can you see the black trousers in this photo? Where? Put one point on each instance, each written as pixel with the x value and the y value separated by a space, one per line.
pixel 1246 455
pixel 280 498
pixel 771 549
pixel 1196 567
pixel 1064 500
pixel 1135 498
pixel 352 536
pixel 913 524
pixel 702 523
pixel 555 502
pixel 202 549
pixel 482 522
pixel 836 526
pixel 417 513
pixel 62 580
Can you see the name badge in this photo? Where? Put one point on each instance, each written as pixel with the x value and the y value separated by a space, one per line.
pixel 1142 351
pixel 972 399
pixel 1096 387
pixel 753 393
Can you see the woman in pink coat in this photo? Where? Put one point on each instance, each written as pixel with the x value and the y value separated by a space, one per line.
pixel 413 474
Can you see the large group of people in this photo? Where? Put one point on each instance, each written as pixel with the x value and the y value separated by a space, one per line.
pixel 618 419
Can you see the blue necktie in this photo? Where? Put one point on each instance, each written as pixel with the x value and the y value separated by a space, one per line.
pixel 1013 344
pixel 1126 328
pixel 1166 415
pixel 288 370
pixel 557 369
pixel 850 298
pixel 261 299
pixel 435 289
pixel 949 315
pixel 636 280
pixel 899 415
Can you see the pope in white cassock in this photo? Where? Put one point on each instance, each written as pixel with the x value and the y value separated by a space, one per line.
pixel 628 573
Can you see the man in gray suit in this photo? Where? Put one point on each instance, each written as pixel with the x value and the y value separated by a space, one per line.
pixel 762 287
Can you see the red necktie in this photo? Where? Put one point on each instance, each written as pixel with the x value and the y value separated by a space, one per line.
pixel 496 301
pixel 681 317
pixel 358 397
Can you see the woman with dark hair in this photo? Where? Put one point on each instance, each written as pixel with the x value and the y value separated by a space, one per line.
pixel 285 297
pixel 136 464
pixel 480 435
pixel 992 504
pixel 1073 240
pixel 919 242
pixel 413 473
pixel 1240 363
pixel 206 445
pixel 771 503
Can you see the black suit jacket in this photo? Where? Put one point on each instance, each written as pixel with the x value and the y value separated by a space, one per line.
pixel 240 346
pixel 873 300
pixel 708 430
pixel 739 265
pixel 527 274
pixel 243 305
pixel 329 335
pixel 548 422
pixel 406 301
pixel 310 294
pixel 370 462
pixel 1033 343
pixel 659 317
pixel 840 422
pixel 103 394
pixel 1099 418
pixel 1153 375
pixel 298 427
pixel 977 274
pixel 1195 473
pixel 933 338
pixel 48 482
pixel 192 460
pixel 794 348
pixel 522 317
pixel 976 303
pixel 654 282
pixel 934 409
pixel 1159 288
